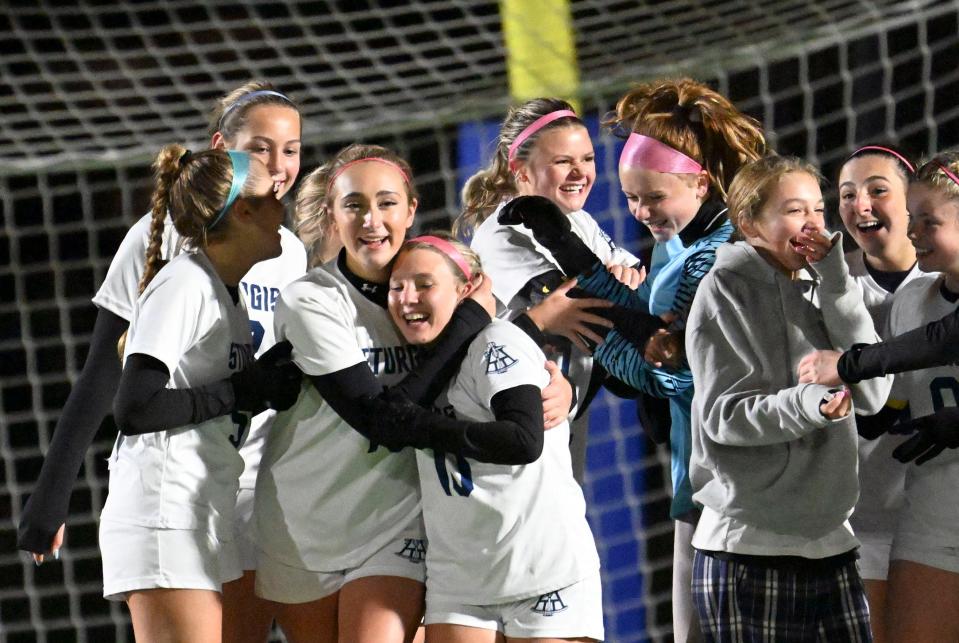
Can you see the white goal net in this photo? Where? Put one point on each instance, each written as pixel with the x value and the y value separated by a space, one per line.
pixel 92 89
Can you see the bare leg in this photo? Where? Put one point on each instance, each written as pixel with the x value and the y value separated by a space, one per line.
pixel 175 615
pixel 447 633
pixel 313 622
pixel 380 609
pixel 876 596
pixel 925 603
pixel 246 617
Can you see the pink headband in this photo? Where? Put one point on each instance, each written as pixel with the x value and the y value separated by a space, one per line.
pixel 880 148
pixel 650 154
pixel 375 159
pixel 948 172
pixel 447 249
pixel 536 126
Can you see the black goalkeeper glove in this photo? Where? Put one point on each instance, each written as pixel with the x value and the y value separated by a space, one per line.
pixel 934 434
pixel 551 228
pixel 271 382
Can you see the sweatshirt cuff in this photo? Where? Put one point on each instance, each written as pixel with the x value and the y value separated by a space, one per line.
pixel 832 269
pixel 812 396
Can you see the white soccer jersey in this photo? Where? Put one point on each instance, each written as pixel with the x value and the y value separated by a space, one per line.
pixel 498 533
pixel 184 478
pixel 261 285
pixel 511 257
pixel 930 512
pixel 881 477
pixel 324 501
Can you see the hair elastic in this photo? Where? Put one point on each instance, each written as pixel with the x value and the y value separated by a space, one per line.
pixel 374 159
pixel 948 172
pixel 447 249
pixel 536 126
pixel 651 154
pixel 241 169
pixel 885 150
pixel 246 98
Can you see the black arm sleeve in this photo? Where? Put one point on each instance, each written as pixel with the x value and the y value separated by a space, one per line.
pixel 346 389
pixel 84 411
pixel 514 438
pixel 437 365
pixel 145 405
pixel 935 344
pixel 528 326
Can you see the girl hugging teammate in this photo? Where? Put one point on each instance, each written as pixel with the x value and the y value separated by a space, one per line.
pixel 510 553
pixel 188 388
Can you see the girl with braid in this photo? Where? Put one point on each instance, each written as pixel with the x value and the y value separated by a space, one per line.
pixel 188 390
pixel 265 123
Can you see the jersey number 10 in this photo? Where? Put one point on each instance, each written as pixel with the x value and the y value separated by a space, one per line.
pixel 463 488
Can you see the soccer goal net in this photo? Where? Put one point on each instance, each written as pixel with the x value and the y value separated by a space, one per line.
pixel 91 90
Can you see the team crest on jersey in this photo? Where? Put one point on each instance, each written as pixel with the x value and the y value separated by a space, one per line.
pixel 549 604
pixel 414 550
pixel 497 359
pixel 612 246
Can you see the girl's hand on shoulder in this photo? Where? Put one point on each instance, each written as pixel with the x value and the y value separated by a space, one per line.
pixel 482 293
pixel 557 397
pixel 816 244
pixel 820 367
pixel 571 317
pixel 836 405
pixel 630 277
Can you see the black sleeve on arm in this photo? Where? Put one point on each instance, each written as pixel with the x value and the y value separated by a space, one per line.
pixel 438 364
pixel 935 344
pixel 514 438
pixel 528 326
pixel 539 287
pixel 872 426
pixel 88 403
pixel 392 420
pixel 346 389
pixel 145 405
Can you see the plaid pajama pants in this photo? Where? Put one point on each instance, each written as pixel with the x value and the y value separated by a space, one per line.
pixel 750 603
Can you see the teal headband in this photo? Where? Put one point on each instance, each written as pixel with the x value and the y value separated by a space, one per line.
pixel 241 168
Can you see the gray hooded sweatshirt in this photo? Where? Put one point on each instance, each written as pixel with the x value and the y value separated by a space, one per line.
pixel 762 452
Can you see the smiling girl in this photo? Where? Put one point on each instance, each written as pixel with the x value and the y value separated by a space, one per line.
pixel 496 488
pixel 773 461
pixel 544 150
pixel 872 204
pixel 254 118
pixel 924 572
pixel 339 525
